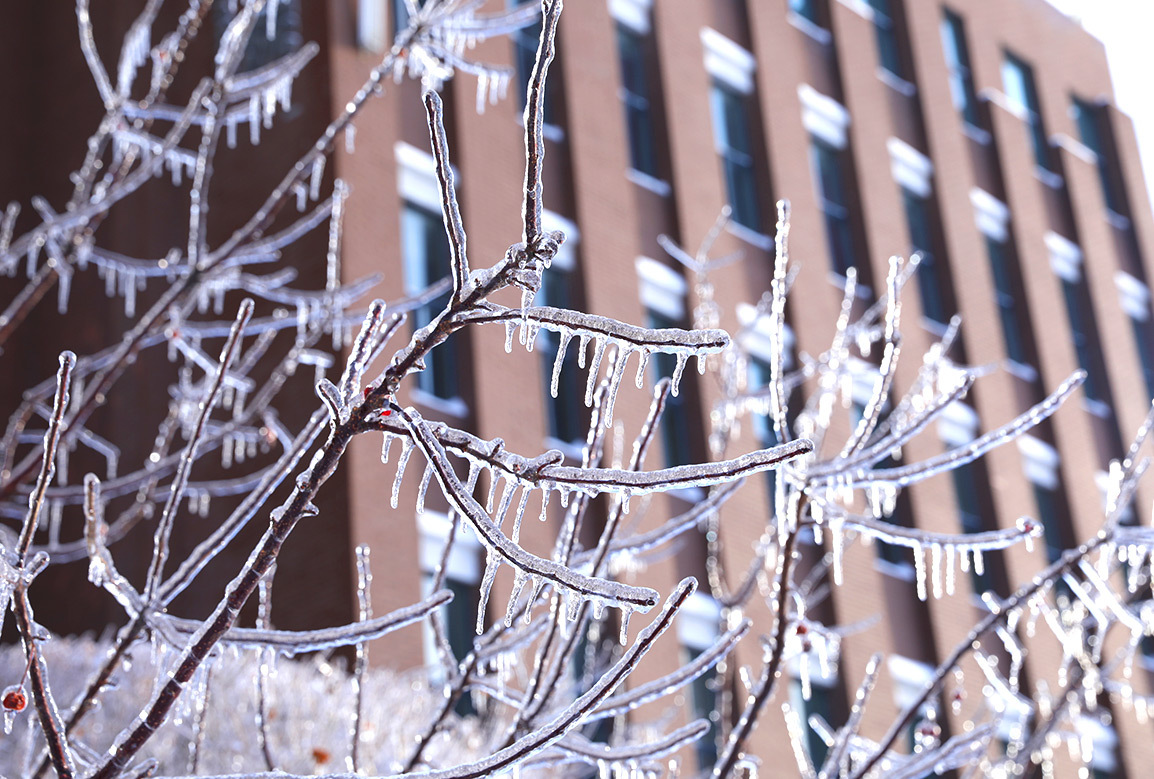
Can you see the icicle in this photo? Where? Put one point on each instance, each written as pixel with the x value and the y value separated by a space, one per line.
pixel 837 538
pixel 350 138
pixel 510 327
pixel 936 569
pixel 566 336
pixel 677 371
pixel 424 488
pixel 492 563
pixel 64 288
pixel 507 493
pixel 254 120
pixel 615 385
pixel 482 90
pixel 230 123
pixel 584 342
pixel 544 503
pixel 516 535
pixel 594 370
pixel 315 177
pixel 402 461
pixel 519 581
pixel 494 479
pixel 270 19
pixel 920 570
pixel 626 613
pixel 979 563
pixel 226 452
pixel 951 555
pixel 642 362
pixel 302 195
pixel 564 497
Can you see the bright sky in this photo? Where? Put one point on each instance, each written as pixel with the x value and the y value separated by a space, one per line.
pixel 1125 26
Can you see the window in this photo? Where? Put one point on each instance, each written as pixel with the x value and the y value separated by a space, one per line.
pixel 663 296
pixel 818 704
pixel 525 41
pixel 372 33
pixel 462 573
pixel 917 208
pixel 635 95
pixel 992 219
pixel 1040 463
pixel 697 629
pixel 277 32
pixel 425 249
pixel 425 254
pixel 731 67
pixel 1135 298
pixel 1066 261
pixel 1094 133
pixel 566 414
pixel 885 29
pixel 827 122
pixel 1015 342
pixel 957 426
pixel 958 64
pixel 810 10
pixel 833 199
pixel 1018 81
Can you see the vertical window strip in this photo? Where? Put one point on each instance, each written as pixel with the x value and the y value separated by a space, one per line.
pixel 1018 82
pixel 886 32
pixel 961 77
pixel 917 209
pixel 1094 134
pixel 833 198
pixel 635 96
pixel 1005 299
pixel 734 142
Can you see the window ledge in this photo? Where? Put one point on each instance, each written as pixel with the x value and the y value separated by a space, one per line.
pixel 861 8
pixel 812 29
pixel 645 181
pixel 903 571
pixel 1020 370
pixel 976 134
pixel 749 235
pixel 896 82
pixel 453 407
pixel 861 291
pixel 1116 220
pixel 1048 177
pixel 1096 407
pixel 934 327
pixel 550 132
pixel 571 449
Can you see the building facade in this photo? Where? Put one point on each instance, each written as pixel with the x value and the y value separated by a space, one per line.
pixel 981 134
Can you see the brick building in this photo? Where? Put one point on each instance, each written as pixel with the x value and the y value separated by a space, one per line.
pixel 979 132
pixel 982 134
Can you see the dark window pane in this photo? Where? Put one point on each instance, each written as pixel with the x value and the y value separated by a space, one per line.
pixel 1145 350
pixel 262 47
pixel 1050 517
pixel 566 412
pixel 1018 81
pixel 998 252
pixel 966 486
pixel 1094 134
pixel 806 8
pixel 829 177
pixel 1081 334
pixel 425 249
pixel 635 96
pixel 958 62
pixel 675 419
pixel 886 32
pixel 734 141
pixel 918 217
pixel 705 707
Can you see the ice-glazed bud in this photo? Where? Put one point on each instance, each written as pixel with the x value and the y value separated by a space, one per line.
pixel 1029 526
pixel 13 698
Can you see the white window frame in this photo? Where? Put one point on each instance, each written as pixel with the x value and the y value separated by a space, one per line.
pixel 463 565
pixel 756 335
pixel 910 679
pixel 823 116
pixel 661 288
pixel 1102 740
pixel 727 61
pixel 634 14
pixel 566 256
pixel 417 176
pixel 991 215
pixel 373 25
pixel 698 624
pixel 957 424
pixel 1133 295
pixel 1065 257
pixel 1040 461
pixel 910 168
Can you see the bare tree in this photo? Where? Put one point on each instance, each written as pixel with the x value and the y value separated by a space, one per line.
pixel 842 490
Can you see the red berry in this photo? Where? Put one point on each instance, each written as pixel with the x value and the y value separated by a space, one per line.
pixel 15 700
